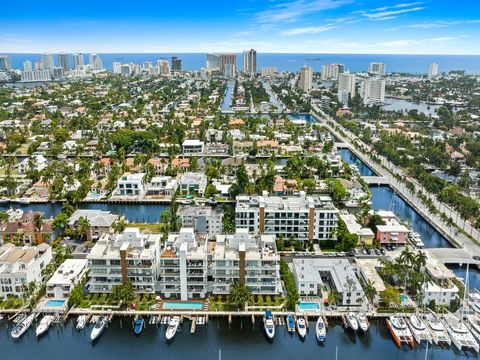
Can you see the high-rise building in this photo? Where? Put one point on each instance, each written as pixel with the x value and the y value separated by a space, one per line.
pixel 377 68
pixel 372 91
pixel 117 67
pixel 213 62
pixel 250 61
pixel 78 60
pixel 306 76
pixel 163 66
pixel 331 71
pixel 27 65
pixel 226 59
pixel 268 71
pixel 346 87
pixel 5 63
pixel 95 62
pixel 47 60
pixel 36 75
pixel 229 70
pixel 433 70
pixel 176 64
pixel 64 61
pixel 38 65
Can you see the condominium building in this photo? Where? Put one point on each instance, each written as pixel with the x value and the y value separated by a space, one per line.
pixel 433 71
pixel 377 68
pixel 299 217
pixel 392 232
pixel 164 67
pixel 204 220
pixel 131 256
pixel 64 61
pixel 77 61
pixel 251 260
pixel 95 62
pixel 346 87
pixel 5 63
pixel 20 266
pixel 229 70
pixel 226 59
pixel 36 75
pixel 372 91
pixel 213 62
pixel 69 274
pixel 269 71
pixel 306 76
pixel 331 71
pixel 47 60
pixel 184 265
pixel 250 61
pixel 131 184
pixel 27 65
pixel 176 64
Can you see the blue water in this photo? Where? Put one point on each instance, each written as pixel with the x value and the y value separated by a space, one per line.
pixel 293 62
pixel 307 117
pixel 350 158
pixel 227 99
pixel 176 305
pixel 55 303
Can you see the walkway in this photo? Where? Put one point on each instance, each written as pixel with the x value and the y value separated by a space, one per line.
pixel 376 180
pixel 453 256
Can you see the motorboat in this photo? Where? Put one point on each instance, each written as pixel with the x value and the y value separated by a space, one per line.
pixel 416 239
pixel 352 321
pixel 44 325
pixel 22 327
pixel 362 322
pixel 301 327
pixel 399 330
pixel 459 333
pixel 98 328
pixel 268 324
pixel 291 324
pixel 437 329
pixel 419 329
pixel 81 322
pixel 172 327
pixel 320 330
pixel 138 325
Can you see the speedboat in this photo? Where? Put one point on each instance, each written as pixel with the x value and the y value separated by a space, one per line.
pixel 320 330
pixel 458 331
pixel 44 325
pixel 172 327
pixel 437 329
pixel 399 331
pixel 419 329
pixel 138 326
pixel 22 326
pixel 302 328
pixel 81 322
pixel 362 322
pixel 268 324
pixel 352 321
pixel 97 330
pixel 291 324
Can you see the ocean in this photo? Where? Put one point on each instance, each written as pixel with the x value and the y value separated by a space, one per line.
pixel 293 62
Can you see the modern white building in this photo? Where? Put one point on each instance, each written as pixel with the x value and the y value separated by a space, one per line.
pixel 36 75
pixel 193 146
pixel 47 61
pixel 21 265
pixel 131 256
pixel 372 91
pixel 68 274
pixel 193 182
pixel 306 76
pixel 377 68
pixel 64 61
pixel 5 63
pixel 213 62
pixel 433 71
pixel 95 62
pixel 78 61
pixel 331 71
pixel 299 217
pixel 346 87
pixel 27 66
pixel 250 61
pixel 441 289
pixel 205 220
pixel 131 184
pixel 36 162
pixel 162 185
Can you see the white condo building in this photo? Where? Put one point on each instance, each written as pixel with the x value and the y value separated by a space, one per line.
pixel 377 68
pixel 78 61
pixel 205 220
pixel 372 91
pixel 306 76
pixel 213 62
pixel 299 217
pixel 36 75
pixel 331 71
pixel 433 71
pixel 64 61
pixel 95 62
pixel 346 87
pixel 47 61
pixel 250 61
pixel 69 274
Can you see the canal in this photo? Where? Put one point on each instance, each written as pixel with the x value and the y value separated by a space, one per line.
pixel 227 99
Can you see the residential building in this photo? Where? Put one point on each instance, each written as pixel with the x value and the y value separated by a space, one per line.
pixel 164 67
pixel 203 219
pixel 306 76
pixel 226 59
pixel 131 184
pixel 331 71
pixel 64 61
pixel 433 71
pixel 5 63
pixel 250 61
pixel 184 266
pixel 176 64
pixel 392 232
pixel 47 61
pixel 131 256
pixel 27 65
pixel 193 183
pixel 440 288
pixel 68 274
pixel 77 61
pixel 24 229
pixel 312 276
pixel 36 75
pixel 34 163
pixel 101 222
pixel 346 87
pixel 229 70
pixel 193 146
pixel 162 185
pixel 377 68
pixel 269 71
pixel 364 235
pixel 251 260
pixel 372 91
pixel 299 217
pixel 213 62
pixel 20 266
pixel 117 67
pixel 95 62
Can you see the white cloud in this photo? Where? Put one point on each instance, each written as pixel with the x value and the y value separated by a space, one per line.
pixel 309 30
pixel 388 14
pixel 409 42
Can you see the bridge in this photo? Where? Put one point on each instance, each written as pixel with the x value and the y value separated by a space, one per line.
pixel 453 256
pixel 376 180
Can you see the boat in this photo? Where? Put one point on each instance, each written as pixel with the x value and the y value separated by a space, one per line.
pixel 352 321
pixel 301 327
pixel 138 326
pixel 320 330
pixel 291 324
pixel 22 327
pixel 362 322
pixel 459 333
pixel 97 330
pixel 268 324
pixel 437 329
pixel 44 325
pixel 473 323
pixel 416 240
pixel 419 329
pixel 81 322
pixel 172 327
pixel 399 330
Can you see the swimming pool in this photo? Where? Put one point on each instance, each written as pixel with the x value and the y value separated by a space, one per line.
pixel 183 305
pixel 308 306
pixel 55 303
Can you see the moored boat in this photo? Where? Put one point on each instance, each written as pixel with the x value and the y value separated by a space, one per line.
pixel 399 330
pixel 302 327
pixel 362 322
pixel 98 328
pixel 22 327
pixel 437 329
pixel 291 324
pixel 320 330
pixel 352 321
pixel 268 324
pixel 44 325
pixel 419 329
pixel 81 322
pixel 172 327
pixel 138 326
pixel 459 333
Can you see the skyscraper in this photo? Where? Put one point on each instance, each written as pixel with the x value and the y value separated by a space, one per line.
pixel 27 65
pixel 346 87
pixel 433 71
pixel 306 75
pixel 95 62
pixel 5 63
pixel 377 68
pixel 78 60
pixel 47 60
pixel 213 62
pixel 228 58
pixel 372 91
pixel 64 61
pixel 176 64
pixel 250 61
pixel 163 67
pixel 331 71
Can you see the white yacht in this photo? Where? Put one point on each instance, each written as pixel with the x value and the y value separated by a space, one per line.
pixel 419 329
pixel 458 331
pixel 301 327
pixel 81 322
pixel 22 326
pixel 97 330
pixel 399 330
pixel 44 325
pixel 172 327
pixel 352 321
pixel 268 324
pixel 416 240
pixel 473 322
pixel 362 322
pixel 320 330
pixel 437 329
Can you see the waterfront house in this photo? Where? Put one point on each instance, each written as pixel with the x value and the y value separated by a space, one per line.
pixel 193 183
pixel 441 288
pixel 36 162
pixel 25 230
pixel 131 185
pixel 162 185
pixel 69 274
pixel 392 232
pixel 192 146
pixel 101 222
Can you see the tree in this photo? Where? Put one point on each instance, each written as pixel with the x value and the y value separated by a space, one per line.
pixel 210 191
pixel 390 295
pixel 124 293
pixel 240 294
pixel 83 225
pixel 38 221
pixel 370 291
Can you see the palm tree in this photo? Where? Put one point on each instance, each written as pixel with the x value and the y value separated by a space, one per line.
pixel 38 221
pixel 420 260
pixel 370 290
pixel 240 295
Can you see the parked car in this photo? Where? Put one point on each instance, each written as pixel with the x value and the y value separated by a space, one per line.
pixel 369 251
pixel 377 252
pixel 364 251
pixel 382 251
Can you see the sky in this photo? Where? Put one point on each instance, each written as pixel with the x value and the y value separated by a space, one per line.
pixel 269 26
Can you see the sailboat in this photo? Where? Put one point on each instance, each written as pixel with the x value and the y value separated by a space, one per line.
pixel 437 329
pixel 419 329
pixel 399 330
pixel 458 331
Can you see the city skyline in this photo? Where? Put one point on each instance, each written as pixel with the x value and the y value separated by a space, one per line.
pixel 299 26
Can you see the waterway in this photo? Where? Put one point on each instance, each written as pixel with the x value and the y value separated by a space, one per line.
pixel 227 99
pixel 239 341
